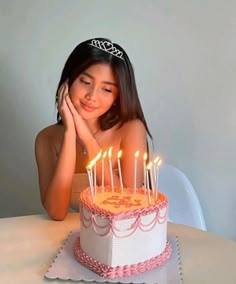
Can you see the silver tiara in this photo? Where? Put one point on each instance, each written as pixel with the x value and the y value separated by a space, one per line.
pixel 107 46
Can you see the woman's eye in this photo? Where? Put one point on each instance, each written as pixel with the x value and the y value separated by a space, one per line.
pixel 84 81
pixel 107 90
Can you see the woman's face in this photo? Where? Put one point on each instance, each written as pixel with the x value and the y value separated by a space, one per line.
pixel 94 91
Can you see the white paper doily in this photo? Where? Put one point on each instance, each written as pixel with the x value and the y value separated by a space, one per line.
pixel 66 267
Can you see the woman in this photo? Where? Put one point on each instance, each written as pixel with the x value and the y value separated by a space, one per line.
pixel 98 108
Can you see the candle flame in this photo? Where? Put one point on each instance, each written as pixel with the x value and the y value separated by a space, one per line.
pixel 98 156
pixel 109 152
pixel 93 161
pixel 149 165
pixel 136 154
pixel 145 156
pixel 89 167
pixel 159 163
pixel 119 154
pixel 104 155
pixel 157 159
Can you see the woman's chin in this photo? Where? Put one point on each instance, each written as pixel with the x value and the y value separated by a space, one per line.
pixel 88 116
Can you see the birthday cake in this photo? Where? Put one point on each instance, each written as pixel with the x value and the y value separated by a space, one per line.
pixel 122 232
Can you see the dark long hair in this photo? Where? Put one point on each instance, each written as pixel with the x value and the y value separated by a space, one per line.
pixel 127 106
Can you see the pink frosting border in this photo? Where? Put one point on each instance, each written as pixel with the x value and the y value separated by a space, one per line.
pixel 120 271
pixel 111 225
pixel 85 199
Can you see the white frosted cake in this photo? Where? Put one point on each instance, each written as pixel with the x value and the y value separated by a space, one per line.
pixel 122 232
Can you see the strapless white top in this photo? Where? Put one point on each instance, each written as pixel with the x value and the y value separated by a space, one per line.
pixel 80 182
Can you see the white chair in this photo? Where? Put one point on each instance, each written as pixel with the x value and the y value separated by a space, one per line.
pixel 184 206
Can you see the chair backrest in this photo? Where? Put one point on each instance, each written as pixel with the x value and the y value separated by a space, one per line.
pixel 184 206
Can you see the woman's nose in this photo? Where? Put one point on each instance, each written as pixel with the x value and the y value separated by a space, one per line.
pixel 91 95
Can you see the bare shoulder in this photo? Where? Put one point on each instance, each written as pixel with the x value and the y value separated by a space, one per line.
pixel 134 131
pixel 133 137
pixel 50 135
pixel 133 126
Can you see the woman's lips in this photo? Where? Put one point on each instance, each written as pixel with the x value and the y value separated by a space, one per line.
pixel 87 107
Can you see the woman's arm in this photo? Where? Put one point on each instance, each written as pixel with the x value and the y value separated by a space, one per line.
pixel 56 171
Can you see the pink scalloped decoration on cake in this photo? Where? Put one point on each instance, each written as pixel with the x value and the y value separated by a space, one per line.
pixel 85 199
pixel 111 226
pixel 120 271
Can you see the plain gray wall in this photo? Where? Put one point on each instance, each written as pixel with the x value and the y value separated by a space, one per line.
pixel 185 64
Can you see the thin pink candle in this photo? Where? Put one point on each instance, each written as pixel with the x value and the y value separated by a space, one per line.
pixel 155 166
pixel 151 177
pixel 90 178
pixel 119 169
pixel 111 170
pixel 148 189
pixel 157 175
pixel 103 158
pixel 95 170
pixel 136 155
pixel 144 170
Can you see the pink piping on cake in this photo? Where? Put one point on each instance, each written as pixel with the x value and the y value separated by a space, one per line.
pixel 96 210
pixel 91 220
pixel 130 230
pixel 141 225
pixel 137 224
pixel 162 219
pixel 102 234
pixel 113 228
pixel 120 271
pixel 97 225
pixel 84 218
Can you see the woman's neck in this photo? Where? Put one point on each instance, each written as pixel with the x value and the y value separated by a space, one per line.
pixel 94 126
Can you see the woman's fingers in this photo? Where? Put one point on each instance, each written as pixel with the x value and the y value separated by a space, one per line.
pixel 66 88
pixel 81 126
pixel 59 96
pixel 62 92
pixel 62 106
pixel 71 106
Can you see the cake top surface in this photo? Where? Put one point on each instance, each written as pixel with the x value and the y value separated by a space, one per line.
pixel 115 202
pixel 118 202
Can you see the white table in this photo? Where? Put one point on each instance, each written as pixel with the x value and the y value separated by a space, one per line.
pixel 28 244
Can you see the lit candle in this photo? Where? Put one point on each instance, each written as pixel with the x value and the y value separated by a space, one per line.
pixel 136 155
pixel 157 174
pixel 155 166
pixel 111 171
pixel 95 170
pixel 148 189
pixel 144 170
pixel 119 169
pixel 103 158
pixel 151 177
pixel 90 177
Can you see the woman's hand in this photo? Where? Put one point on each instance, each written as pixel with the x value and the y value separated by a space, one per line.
pixel 82 129
pixel 72 120
pixel 63 108
pixel 75 124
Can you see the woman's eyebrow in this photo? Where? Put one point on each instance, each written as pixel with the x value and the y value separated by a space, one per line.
pixel 105 82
